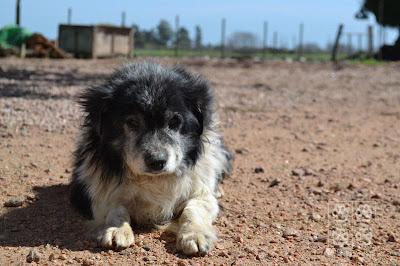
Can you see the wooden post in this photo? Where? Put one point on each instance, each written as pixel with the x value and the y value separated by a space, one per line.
pixel 176 35
pixel 336 44
pixel 265 39
pixel 223 32
pixel 131 43
pixel 370 41
pixel 360 37
pixel 123 17
pixel 301 35
pixel 275 40
pixel 349 44
pixel 69 16
pixel 18 13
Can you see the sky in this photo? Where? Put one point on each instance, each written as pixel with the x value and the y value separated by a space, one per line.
pixel 320 17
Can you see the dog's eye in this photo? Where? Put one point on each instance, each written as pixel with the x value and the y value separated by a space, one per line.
pixel 175 122
pixel 132 122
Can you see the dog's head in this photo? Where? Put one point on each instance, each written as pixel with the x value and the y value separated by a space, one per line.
pixel 151 117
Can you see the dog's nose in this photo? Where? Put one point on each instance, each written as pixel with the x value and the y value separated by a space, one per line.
pixel 155 161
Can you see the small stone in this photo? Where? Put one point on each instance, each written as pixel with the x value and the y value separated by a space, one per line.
pixel 258 170
pixel 315 217
pixel 290 232
pixel 298 172
pixel 62 257
pixel 321 239
pixel 182 263
pixel 242 151
pixel 309 172
pixel 274 182
pixel 47 171
pixel 145 247
pixel 87 262
pixel 33 256
pixel 52 257
pixel 240 239
pixel 14 202
pixel 391 238
pixel 223 253
pixel 396 203
pixel 344 252
pixel 395 253
pixel 376 196
pixel 357 259
pixel 149 258
pixel 329 252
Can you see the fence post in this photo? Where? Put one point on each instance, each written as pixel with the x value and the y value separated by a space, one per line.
pixel 370 41
pixel 275 41
pixel 123 17
pixel 360 37
pixel 336 44
pixel 18 13
pixel 69 16
pixel 265 39
pixel 176 35
pixel 301 35
pixel 223 32
pixel 349 44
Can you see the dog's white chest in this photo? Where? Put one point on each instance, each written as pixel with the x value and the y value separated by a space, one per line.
pixel 154 200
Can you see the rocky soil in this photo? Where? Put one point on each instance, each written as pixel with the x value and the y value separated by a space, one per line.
pixel 316 174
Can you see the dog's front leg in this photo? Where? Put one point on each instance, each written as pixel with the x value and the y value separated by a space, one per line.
pixel 117 232
pixel 196 234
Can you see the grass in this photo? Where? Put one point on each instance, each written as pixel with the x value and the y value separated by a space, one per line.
pixel 214 53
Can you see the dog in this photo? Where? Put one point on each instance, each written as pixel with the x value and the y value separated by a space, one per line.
pixel 150 154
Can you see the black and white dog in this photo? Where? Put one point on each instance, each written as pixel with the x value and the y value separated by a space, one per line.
pixel 150 154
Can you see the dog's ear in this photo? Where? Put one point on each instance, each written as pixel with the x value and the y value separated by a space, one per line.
pixel 198 97
pixel 95 102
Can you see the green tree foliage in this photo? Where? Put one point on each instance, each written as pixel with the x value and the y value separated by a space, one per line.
pixel 387 12
pixel 198 39
pixel 164 32
pixel 183 38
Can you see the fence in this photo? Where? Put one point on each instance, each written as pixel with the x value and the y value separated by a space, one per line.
pixel 269 45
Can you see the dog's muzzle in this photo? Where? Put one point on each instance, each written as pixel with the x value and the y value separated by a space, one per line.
pixel 156 161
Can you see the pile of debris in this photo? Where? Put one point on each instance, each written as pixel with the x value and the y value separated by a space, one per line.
pixel 15 40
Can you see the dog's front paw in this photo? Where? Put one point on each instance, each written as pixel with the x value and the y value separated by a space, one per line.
pixel 196 240
pixel 116 237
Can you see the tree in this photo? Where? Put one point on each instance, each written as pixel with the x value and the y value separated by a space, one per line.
pixel 139 38
pixel 243 40
pixel 387 12
pixel 145 38
pixel 164 32
pixel 198 37
pixel 183 38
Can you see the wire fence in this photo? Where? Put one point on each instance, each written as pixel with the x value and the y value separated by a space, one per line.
pixel 268 45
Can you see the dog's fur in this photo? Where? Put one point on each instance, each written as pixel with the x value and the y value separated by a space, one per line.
pixel 150 154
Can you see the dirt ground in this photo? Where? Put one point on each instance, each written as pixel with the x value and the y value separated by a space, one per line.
pixel 316 175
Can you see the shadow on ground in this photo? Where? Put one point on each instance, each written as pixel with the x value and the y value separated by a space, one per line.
pixel 38 84
pixel 51 220
pixel 48 220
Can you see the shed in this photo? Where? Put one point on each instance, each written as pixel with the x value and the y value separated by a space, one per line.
pixel 94 41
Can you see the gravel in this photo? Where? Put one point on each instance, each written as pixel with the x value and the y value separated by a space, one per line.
pixel 33 256
pixel 14 202
pixel 332 147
